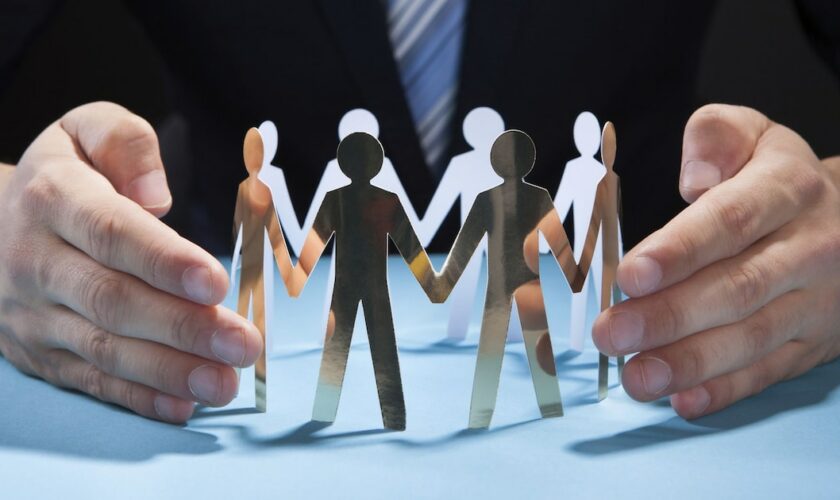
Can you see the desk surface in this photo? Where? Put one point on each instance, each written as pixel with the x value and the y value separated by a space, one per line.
pixel 782 443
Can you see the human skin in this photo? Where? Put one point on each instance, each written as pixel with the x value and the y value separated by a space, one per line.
pixel 737 292
pixel 741 289
pixel 98 295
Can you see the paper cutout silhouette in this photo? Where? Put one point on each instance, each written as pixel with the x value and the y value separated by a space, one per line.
pixel 361 217
pixel 355 120
pixel 512 215
pixel 607 213
pixel 256 218
pixel 577 188
pixel 467 175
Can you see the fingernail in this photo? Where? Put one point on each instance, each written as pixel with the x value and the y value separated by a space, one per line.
pixel 647 274
pixel 229 346
pixel 170 408
pixel 699 175
pixel 656 375
pixel 198 283
pixel 150 190
pixel 626 331
pixel 205 384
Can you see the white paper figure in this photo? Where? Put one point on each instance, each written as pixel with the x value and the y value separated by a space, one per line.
pixel 466 176
pixel 577 187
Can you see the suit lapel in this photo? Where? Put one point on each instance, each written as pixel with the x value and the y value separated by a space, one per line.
pixel 361 33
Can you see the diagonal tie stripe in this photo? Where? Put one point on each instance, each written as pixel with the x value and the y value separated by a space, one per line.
pixel 426 36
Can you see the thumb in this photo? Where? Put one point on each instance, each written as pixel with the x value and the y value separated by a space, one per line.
pixel 124 148
pixel 719 140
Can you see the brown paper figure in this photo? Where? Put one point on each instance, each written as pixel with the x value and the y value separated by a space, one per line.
pixel 361 218
pixel 606 217
pixel 255 216
pixel 512 215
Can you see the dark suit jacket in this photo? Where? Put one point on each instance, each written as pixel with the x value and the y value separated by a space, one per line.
pixel 304 63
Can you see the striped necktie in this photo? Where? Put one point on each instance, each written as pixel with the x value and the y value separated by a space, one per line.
pixel 426 38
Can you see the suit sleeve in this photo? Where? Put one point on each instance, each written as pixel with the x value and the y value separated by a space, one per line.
pixel 821 21
pixel 20 23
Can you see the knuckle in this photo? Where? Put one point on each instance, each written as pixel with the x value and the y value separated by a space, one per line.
pixel 163 373
pixel 694 364
pixel 93 382
pixel 100 349
pixel 102 231
pixel 102 297
pixel 157 264
pixel 20 266
pixel 670 317
pixel 747 284
pixel 130 397
pixel 736 219
pixel 40 194
pixel 183 334
pixel 129 132
pixel 759 334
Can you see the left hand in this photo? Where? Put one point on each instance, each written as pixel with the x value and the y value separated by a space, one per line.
pixel 742 289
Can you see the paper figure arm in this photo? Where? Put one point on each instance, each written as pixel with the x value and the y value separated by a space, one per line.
pixel 316 241
pixel 564 197
pixel 412 251
pixel 442 201
pixel 551 226
pixel 595 221
pixel 466 243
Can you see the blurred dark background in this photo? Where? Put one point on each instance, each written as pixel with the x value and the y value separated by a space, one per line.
pixel 756 55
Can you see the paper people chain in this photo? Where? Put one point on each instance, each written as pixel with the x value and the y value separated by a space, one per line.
pixel 505 220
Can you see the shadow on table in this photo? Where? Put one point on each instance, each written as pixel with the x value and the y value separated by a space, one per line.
pixel 310 434
pixel 46 419
pixel 807 390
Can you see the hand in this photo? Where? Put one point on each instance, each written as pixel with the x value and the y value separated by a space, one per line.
pixel 98 295
pixel 741 289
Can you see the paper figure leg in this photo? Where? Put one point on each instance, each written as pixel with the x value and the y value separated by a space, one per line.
pixel 463 297
pixel 531 305
pixel 326 326
pixel 386 365
pixel 488 366
pixel 255 294
pixel 580 300
pixel 334 360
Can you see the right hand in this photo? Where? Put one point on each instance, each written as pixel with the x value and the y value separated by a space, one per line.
pixel 98 295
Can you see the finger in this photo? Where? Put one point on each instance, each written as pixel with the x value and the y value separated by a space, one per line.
pixel 115 232
pixel 124 148
pixel 710 354
pixel 72 372
pixel 721 294
pixel 771 190
pixel 718 141
pixel 789 361
pixel 123 304
pixel 153 365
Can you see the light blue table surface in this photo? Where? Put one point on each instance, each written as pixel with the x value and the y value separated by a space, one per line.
pixel 783 443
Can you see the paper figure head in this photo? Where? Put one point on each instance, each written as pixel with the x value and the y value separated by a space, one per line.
pixel 268 132
pixel 360 156
pixel 481 126
pixel 587 134
pixel 608 145
pixel 253 151
pixel 513 154
pixel 358 120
